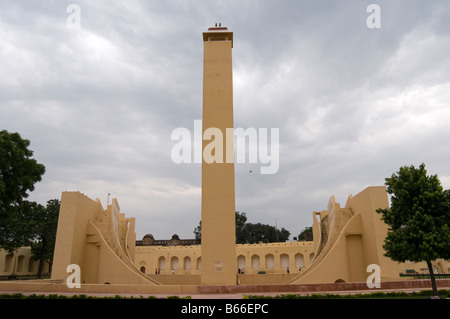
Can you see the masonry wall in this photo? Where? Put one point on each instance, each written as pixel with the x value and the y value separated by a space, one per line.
pixel 100 241
pixel 256 263
pixel 20 263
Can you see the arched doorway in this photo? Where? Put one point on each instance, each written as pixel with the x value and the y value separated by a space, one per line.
pixel 270 261
pixel 187 263
pixel 284 261
pixel 255 262
pixel 241 262
pixel 174 263
pixel 299 261
pixel 162 263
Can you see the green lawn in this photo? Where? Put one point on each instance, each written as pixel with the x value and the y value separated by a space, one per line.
pixel 425 294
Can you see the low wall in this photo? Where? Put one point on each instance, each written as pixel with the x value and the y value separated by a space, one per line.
pixel 265 279
pixel 259 279
pixel 317 288
pixel 47 286
pixel 176 279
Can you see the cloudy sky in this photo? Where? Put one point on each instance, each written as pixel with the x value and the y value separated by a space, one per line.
pixel 99 102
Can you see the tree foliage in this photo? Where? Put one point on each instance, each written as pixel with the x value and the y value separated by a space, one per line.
pixel 18 171
pixel 18 174
pixel 418 218
pixel 306 234
pixel 249 233
pixel 32 224
pixel 256 233
pixel 43 233
pixel 22 222
pixel 16 230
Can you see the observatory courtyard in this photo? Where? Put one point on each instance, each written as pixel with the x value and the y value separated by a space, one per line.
pixel 97 251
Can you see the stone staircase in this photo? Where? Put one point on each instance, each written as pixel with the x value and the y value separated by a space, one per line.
pixel 323 233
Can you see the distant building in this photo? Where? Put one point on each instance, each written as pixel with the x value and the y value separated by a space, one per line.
pixel 149 240
pixel 20 263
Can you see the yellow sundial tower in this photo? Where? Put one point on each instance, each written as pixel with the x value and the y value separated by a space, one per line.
pixel 218 247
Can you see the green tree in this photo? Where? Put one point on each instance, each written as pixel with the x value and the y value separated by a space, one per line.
pixel 198 233
pixel 31 224
pixel 306 234
pixel 255 233
pixel 18 174
pixel 18 171
pixel 418 218
pixel 241 219
pixel 251 233
pixel 44 223
pixel 17 229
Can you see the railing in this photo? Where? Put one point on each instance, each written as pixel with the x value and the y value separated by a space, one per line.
pixel 424 276
pixel 168 242
pixel 22 277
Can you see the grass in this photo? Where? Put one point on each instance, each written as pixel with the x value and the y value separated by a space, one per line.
pixel 81 296
pixel 425 294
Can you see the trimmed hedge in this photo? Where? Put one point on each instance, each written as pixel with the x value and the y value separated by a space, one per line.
pixel 54 296
pixel 375 295
pixel 443 294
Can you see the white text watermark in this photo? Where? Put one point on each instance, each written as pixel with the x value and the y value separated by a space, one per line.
pixel 374 279
pixel 227 147
pixel 74 279
pixel 373 21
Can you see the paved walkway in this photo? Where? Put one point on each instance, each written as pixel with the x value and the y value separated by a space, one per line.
pixel 212 292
